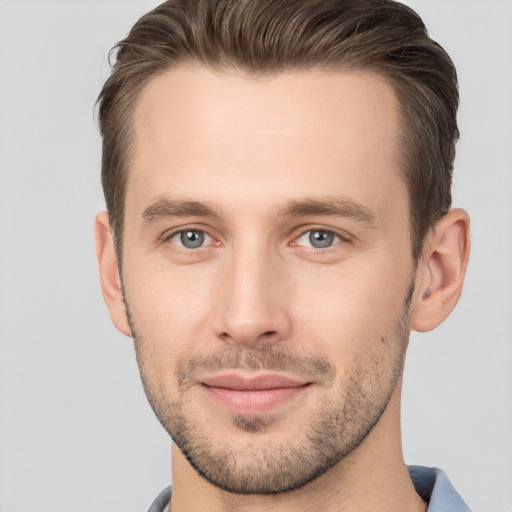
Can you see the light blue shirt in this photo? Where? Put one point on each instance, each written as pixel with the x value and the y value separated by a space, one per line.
pixel 431 484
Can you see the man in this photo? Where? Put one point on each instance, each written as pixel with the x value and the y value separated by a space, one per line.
pixel 277 178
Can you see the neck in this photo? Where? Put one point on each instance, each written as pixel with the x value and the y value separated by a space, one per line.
pixel 373 477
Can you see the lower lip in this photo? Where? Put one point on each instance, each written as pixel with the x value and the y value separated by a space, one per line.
pixel 254 401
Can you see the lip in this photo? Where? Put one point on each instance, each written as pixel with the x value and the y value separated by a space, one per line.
pixel 253 395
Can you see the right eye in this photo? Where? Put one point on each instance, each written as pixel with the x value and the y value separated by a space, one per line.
pixel 191 239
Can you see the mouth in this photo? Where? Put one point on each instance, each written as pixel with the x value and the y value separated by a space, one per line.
pixel 253 395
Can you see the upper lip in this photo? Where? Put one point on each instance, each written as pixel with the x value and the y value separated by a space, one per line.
pixel 257 383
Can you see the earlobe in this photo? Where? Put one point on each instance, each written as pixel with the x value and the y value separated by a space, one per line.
pixel 109 273
pixel 441 271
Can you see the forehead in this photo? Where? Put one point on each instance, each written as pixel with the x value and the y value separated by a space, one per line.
pixel 289 134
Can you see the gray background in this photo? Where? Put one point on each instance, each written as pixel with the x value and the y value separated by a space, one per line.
pixel 75 431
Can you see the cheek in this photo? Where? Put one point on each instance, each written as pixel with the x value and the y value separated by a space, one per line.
pixel 346 307
pixel 170 309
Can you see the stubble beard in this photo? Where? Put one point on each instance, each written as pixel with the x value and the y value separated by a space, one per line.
pixel 334 429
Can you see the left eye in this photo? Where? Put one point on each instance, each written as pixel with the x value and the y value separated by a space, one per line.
pixel 191 239
pixel 318 239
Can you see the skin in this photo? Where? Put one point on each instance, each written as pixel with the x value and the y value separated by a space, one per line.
pixel 266 162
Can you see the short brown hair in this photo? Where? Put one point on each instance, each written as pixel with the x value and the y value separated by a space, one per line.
pixel 272 36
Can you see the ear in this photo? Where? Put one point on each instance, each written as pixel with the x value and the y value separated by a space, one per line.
pixel 441 271
pixel 109 273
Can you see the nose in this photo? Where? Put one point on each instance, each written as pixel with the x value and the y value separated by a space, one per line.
pixel 253 294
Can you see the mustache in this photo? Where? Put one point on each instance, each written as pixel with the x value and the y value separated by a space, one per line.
pixel 269 357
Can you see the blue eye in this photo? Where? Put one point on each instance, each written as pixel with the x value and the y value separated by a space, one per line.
pixel 319 239
pixel 191 239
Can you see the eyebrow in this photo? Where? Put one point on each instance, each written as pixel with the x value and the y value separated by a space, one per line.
pixel 165 208
pixel 333 207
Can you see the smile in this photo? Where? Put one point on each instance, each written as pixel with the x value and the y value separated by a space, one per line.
pixel 255 395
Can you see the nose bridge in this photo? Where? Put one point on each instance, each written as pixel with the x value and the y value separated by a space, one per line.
pixel 252 305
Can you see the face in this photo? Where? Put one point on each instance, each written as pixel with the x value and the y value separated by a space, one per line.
pixel 267 268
